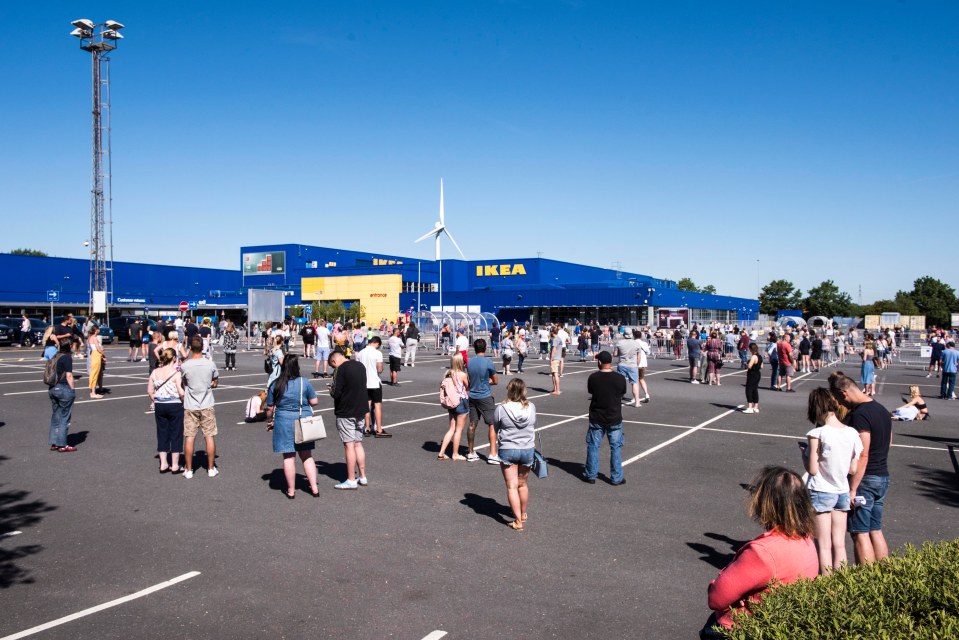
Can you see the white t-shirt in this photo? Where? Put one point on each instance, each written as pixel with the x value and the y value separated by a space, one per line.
pixel 396 346
pixel 462 343
pixel 564 335
pixel 322 337
pixel 643 352
pixel 837 448
pixel 543 335
pixel 370 356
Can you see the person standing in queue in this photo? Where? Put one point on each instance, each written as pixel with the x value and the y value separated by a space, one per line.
pixel 165 389
pixel 350 406
pixel 62 396
pixel 200 378
pixel 98 363
pixel 288 399
pixel 515 425
pixel 482 374
pixel 606 388
pixel 371 357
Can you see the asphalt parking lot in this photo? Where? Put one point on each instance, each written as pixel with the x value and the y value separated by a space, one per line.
pixel 422 551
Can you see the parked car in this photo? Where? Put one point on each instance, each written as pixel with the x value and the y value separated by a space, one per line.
pixel 121 325
pixel 6 335
pixel 37 327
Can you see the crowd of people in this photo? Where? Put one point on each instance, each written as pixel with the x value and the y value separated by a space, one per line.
pixel 805 519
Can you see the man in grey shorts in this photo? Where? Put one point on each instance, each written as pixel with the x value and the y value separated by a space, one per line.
pixel 350 405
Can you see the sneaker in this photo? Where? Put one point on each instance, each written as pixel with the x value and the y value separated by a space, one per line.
pixel 748 411
pixel 363 481
pixel 694 381
pixel 928 375
pixel 214 472
pixel 346 484
pixel 188 474
pixel 647 399
pixel 472 457
pixel 493 459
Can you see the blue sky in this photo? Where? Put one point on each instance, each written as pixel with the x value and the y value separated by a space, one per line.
pixel 679 139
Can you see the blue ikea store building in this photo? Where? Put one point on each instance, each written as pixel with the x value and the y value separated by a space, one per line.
pixel 536 289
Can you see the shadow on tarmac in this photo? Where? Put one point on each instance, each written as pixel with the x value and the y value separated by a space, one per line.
pixel 940 485
pixel 76 439
pixel 16 513
pixel 715 557
pixel 486 507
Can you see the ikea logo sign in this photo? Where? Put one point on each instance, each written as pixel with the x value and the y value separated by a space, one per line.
pixel 500 270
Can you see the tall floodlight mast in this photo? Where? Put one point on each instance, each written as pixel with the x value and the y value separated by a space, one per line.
pixel 100 40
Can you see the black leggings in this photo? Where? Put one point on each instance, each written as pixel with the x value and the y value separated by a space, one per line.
pixel 169 419
pixel 231 360
pixel 752 392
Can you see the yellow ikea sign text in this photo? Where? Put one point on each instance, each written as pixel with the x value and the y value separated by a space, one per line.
pixel 500 270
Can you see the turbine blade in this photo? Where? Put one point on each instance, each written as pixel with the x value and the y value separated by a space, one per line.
pixel 431 232
pixel 442 220
pixel 450 236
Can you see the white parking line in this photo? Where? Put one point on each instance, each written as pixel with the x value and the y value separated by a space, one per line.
pixel 101 607
pixel 9 534
pixel 681 436
pixel 435 635
pixel 549 426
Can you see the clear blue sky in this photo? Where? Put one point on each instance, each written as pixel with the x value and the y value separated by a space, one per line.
pixel 678 138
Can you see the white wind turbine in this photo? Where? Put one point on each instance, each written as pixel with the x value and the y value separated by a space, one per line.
pixel 439 228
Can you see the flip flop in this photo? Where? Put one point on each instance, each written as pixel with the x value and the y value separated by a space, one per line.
pixel 514 525
pixel 442 456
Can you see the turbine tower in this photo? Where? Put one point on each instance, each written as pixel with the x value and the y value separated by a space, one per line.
pixel 439 229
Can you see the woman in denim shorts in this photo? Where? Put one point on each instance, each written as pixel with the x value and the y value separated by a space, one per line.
pixel 830 455
pixel 515 425
pixel 454 435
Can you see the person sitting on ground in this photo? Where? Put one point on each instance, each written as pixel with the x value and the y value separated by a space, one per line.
pixel 783 553
pixel 256 408
pixel 915 409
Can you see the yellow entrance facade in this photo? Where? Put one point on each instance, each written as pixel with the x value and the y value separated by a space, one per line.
pixel 379 295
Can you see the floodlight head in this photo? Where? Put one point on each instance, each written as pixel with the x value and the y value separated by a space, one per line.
pixel 110 34
pixel 81 33
pixel 84 23
pixel 113 24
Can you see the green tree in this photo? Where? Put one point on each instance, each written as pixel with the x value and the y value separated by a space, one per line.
pixel 686 284
pixel 779 295
pixel 28 252
pixel 827 300
pixel 934 299
pixel 901 304
pixel 708 289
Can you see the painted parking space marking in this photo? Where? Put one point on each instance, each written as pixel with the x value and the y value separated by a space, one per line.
pixel 101 607
pixel 543 428
pixel 434 635
pixel 10 534
pixel 682 435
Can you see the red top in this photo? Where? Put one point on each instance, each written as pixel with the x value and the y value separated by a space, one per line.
pixel 771 556
pixel 785 353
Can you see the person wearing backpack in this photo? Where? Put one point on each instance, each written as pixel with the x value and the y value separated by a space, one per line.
pixel 454 396
pixel 58 375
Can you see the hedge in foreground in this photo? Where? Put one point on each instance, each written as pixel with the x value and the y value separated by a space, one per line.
pixel 914 594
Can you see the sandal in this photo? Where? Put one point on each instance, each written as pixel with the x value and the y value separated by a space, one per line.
pixel 442 456
pixel 525 517
pixel 514 525
pixel 458 458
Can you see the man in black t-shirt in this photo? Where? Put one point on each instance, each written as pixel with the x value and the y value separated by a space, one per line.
pixel 871 481
pixel 606 388
pixel 350 406
pixel 308 333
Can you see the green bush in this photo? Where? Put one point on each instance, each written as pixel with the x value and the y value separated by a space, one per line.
pixel 914 594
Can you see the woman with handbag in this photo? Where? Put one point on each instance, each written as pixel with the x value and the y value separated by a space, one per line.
pixel 231 338
pixel 165 389
pixel 455 385
pixel 515 425
pixel 288 399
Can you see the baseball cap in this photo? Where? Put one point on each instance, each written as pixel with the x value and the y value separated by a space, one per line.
pixel 605 357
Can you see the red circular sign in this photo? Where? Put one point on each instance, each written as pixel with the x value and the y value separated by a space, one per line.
pixel 184 306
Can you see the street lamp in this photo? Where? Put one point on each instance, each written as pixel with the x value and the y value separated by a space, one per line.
pixel 100 40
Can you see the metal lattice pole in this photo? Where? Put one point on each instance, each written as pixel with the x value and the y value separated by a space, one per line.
pixel 99 40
